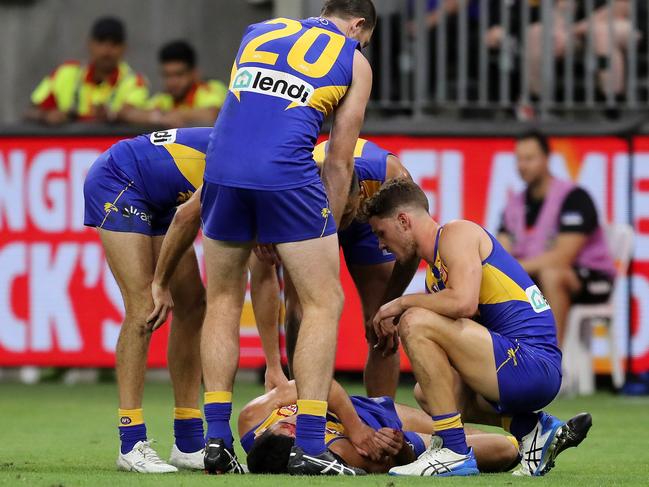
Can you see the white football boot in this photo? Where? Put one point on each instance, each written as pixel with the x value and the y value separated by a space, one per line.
pixel 143 459
pixel 189 461
pixel 538 447
pixel 440 462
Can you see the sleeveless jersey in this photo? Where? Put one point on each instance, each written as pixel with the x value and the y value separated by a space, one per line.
pixel 510 303
pixel 334 429
pixel 287 77
pixel 167 166
pixel 370 164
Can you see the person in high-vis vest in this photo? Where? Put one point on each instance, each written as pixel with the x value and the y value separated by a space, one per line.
pixel 97 91
pixel 186 99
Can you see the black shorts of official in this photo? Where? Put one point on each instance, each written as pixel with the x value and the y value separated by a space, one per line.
pixel 596 286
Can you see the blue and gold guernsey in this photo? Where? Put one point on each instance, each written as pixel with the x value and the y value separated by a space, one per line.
pixel 288 75
pixel 136 185
pixel 522 329
pixel 370 163
pixel 359 244
pixel 510 304
pixel 375 412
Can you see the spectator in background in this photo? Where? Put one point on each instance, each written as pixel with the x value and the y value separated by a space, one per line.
pixel 610 72
pixel 552 228
pixel 186 100
pixel 98 91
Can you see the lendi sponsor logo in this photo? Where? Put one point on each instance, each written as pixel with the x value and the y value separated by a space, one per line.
pixel 273 83
pixel 537 300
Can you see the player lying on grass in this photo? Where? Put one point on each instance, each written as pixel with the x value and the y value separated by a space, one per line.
pixel 131 193
pixel 267 431
pixel 508 358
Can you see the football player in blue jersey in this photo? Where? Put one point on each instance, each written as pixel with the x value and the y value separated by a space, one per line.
pixel 377 277
pixel 262 185
pixel 131 193
pixel 509 358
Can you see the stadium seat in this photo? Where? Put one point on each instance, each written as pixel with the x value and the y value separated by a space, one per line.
pixel 578 376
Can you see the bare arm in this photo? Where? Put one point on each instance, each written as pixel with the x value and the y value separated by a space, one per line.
pixel 459 249
pixel 264 293
pixel 562 254
pixel 179 238
pixel 348 119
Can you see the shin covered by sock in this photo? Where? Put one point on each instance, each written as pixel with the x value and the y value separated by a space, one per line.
pixel 311 422
pixel 449 427
pixel 218 410
pixel 188 429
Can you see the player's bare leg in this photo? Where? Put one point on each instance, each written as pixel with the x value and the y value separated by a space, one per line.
pixel 184 362
pixel 131 258
pixel 226 268
pixel 381 375
pixel 314 269
pixel 292 320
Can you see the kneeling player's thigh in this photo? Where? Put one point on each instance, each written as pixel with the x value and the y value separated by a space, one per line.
pixel 466 343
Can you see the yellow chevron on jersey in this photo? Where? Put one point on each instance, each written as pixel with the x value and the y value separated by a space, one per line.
pixel 498 287
pixel 334 429
pixel 190 162
pixel 320 150
pixel 324 99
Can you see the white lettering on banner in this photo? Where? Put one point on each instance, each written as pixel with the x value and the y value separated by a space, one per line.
pixel 92 264
pixel 12 193
pixel 13 331
pixel 503 181
pixel 620 188
pixel 50 308
pixel 47 198
pixel 447 168
pixel 641 205
pixel 80 162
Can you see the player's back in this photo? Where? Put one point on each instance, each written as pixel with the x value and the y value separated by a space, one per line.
pixel 167 165
pixel 370 164
pixel 288 75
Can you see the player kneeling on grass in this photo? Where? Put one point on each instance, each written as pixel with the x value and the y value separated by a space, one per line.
pixel 400 433
pixel 509 358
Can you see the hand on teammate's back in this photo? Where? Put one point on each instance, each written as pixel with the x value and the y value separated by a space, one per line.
pixel 162 305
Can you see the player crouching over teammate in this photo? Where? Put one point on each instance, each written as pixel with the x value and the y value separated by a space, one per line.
pixel 509 358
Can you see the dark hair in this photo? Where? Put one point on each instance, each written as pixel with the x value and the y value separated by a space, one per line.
pixel 394 194
pixel 108 29
pixel 351 8
pixel 270 453
pixel 178 51
pixel 541 139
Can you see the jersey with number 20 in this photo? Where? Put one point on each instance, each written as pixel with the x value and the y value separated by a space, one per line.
pixel 287 77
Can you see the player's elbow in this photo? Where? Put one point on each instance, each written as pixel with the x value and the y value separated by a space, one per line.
pixel 467 308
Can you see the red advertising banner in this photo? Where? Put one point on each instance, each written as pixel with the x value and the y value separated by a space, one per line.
pixel 59 304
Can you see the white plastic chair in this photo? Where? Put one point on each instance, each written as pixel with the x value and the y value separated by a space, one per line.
pixel 578 376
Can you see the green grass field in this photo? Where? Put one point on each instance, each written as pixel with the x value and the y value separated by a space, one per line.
pixel 57 435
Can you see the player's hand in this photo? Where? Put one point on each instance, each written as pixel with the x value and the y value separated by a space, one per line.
pixel 385 324
pixel 362 437
pixel 390 440
pixel 267 253
pixel 274 377
pixel 162 305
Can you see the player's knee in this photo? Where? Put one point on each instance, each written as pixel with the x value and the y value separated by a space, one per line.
pixel 552 276
pixel 415 324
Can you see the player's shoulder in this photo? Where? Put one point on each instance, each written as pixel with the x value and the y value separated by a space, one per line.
pixel 459 230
